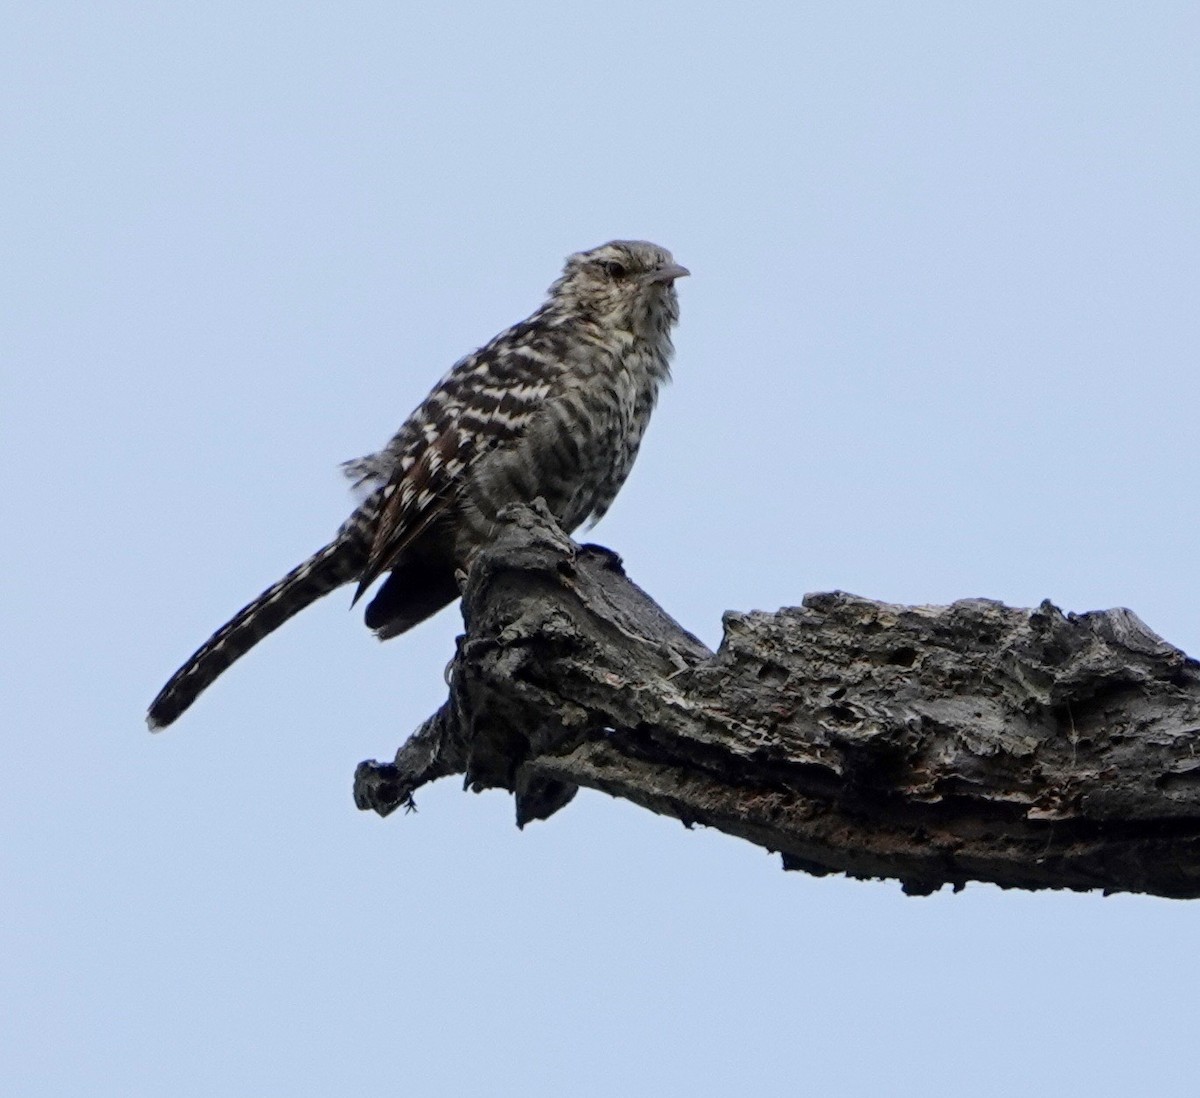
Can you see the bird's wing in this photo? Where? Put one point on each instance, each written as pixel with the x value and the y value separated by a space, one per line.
pixel 487 400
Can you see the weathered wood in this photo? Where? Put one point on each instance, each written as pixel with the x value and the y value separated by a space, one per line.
pixel 932 744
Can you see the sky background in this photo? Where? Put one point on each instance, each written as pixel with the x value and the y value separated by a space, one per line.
pixel 940 342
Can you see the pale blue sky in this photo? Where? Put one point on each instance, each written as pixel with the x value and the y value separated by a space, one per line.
pixel 940 341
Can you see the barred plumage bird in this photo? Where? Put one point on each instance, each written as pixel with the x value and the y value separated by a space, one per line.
pixel 555 406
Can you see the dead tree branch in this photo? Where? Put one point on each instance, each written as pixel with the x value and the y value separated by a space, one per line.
pixel 932 744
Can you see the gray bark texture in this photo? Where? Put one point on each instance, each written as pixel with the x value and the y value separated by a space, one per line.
pixel 931 744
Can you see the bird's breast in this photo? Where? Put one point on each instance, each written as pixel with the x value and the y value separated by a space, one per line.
pixel 575 454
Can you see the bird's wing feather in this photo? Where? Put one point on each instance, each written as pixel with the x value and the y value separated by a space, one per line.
pixel 487 400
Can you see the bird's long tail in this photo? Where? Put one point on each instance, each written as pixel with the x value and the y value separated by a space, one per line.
pixel 340 562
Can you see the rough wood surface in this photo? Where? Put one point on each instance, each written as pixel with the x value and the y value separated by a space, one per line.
pixel 931 744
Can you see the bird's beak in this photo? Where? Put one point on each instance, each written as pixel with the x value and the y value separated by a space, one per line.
pixel 668 274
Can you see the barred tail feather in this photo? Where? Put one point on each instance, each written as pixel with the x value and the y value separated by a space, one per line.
pixel 338 563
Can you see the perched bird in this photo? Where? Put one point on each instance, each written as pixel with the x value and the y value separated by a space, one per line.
pixel 555 407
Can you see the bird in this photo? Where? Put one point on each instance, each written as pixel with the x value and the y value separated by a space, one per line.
pixel 554 407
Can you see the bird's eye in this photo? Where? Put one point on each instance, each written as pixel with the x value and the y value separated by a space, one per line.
pixel 614 269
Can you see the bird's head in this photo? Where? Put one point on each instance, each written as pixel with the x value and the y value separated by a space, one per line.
pixel 629 284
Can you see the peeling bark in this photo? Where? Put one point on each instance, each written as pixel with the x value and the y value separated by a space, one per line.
pixel 933 744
